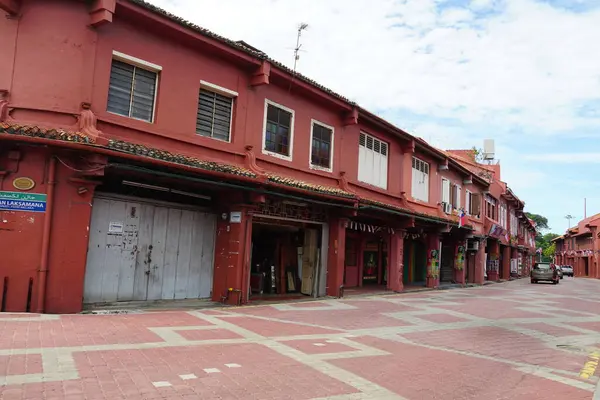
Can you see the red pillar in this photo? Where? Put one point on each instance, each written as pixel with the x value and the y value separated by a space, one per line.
pixel 460 262
pixel 478 274
pixel 594 257
pixel 232 256
pixel 396 261
pixel 506 253
pixel 433 260
pixel 336 257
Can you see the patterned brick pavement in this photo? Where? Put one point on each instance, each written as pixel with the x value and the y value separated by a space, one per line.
pixel 505 341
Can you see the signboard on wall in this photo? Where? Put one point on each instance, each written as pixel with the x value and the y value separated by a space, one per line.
pixel 18 201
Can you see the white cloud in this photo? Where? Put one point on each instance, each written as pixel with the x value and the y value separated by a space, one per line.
pixel 527 65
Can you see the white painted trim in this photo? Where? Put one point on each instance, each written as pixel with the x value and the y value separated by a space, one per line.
pixel 468 209
pixel 449 193
pixel 318 167
pixel 264 131
pixel 218 89
pixel 136 61
pixel 387 157
pixel 139 63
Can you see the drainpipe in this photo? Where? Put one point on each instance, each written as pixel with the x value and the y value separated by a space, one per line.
pixel 43 271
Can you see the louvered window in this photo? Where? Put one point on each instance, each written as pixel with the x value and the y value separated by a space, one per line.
pixel 214 115
pixel 420 179
pixel 372 160
pixel 131 91
pixel 278 130
pixel 322 145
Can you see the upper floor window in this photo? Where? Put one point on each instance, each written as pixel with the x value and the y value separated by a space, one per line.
pixel 420 180
pixel 215 110
pixel 490 207
pixel 279 130
pixel 450 195
pixel 502 217
pixel 372 161
pixel 132 87
pixel 321 150
pixel 514 223
pixel 472 204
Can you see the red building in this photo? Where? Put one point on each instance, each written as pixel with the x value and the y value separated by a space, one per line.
pixel 510 244
pixel 579 247
pixel 144 158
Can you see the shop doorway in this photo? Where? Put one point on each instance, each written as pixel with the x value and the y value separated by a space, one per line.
pixel 586 266
pixel 286 259
pixel 145 250
pixel 415 263
pixel 366 263
pixel 371 263
pixel 447 264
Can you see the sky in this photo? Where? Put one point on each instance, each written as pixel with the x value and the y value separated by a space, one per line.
pixel 525 73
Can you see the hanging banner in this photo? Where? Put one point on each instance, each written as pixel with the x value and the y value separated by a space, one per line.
pixel 433 266
pixel 18 201
pixel 359 226
pixel 459 262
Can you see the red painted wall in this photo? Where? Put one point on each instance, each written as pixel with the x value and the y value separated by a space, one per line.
pixel 50 67
pixel 21 235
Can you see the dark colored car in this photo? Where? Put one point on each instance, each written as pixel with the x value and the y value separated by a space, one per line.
pixel 567 270
pixel 544 272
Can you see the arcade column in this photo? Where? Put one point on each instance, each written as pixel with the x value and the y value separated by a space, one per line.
pixel 506 255
pixel 479 273
pixel 459 262
pixel 396 261
pixel 433 260
pixel 336 256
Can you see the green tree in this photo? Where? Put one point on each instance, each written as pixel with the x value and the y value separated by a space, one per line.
pixel 541 222
pixel 548 252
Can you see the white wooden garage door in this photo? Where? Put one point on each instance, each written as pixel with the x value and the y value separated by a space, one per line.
pixel 145 251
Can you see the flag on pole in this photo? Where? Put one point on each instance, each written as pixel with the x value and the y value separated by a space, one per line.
pixel 461 218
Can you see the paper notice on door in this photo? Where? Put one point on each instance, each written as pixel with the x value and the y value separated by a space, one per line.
pixel 115 228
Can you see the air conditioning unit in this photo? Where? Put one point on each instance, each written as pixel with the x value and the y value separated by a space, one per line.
pixel 472 245
pixel 447 207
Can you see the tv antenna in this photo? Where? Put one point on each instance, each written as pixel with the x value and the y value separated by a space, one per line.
pixel 303 26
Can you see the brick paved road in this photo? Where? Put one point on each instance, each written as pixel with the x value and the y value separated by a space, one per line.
pixel 505 341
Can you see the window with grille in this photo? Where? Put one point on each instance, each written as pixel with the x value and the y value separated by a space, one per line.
pixel 131 91
pixel 420 179
pixel 278 130
pixel 372 161
pixel 214 115
pixel 321 153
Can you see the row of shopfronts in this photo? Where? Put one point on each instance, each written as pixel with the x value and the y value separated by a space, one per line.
pixel 579 247
pixel 121 231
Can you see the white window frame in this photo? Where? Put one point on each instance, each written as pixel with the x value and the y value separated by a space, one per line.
pixel 446 194
pixel 264 131
pixel 138 62
pixel 387 158
pixel 458 200
pixel 224 92
pixel 428 174
pixel 310 164
pixel 468 199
